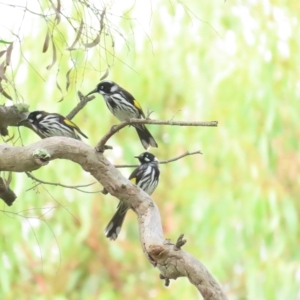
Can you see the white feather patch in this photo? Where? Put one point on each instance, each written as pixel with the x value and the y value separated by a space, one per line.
pixel 113 88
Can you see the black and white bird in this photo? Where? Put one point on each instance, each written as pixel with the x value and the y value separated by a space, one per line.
pixel 52 124
pixel 124 107
pixel 146 177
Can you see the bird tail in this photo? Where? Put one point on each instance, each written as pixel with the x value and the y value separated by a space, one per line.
pixel 79 131
pixel 146 138
pixel 114 226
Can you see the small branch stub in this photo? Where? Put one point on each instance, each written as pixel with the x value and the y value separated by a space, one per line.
pixel 167 280
pixel 104 192
pixel 102 148
pixel 6 194
pixel 179 243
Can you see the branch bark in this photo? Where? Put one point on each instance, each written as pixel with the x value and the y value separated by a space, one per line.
pixel 116 128
pixel 11 116
pixel 6 194
pixel 82 103
pixel 162 162
pixel 172 262
pixel 75 187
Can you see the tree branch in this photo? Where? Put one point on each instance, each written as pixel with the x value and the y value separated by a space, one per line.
pixel 11 116
pixel 114 129
pixel 75 187
pixel 171 263
pixel 6 194
pixel 82 103
pixel 162 162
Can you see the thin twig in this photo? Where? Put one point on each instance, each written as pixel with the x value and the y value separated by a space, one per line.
pixel 89 192
pixel 114 129
pixel 164 161
pixel 76 187
pixel 33 187
pixel 83 101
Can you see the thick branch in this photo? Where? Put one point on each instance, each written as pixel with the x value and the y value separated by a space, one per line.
pixel 11 116
pixel 114 129
pixel 172 264
pixel 183 264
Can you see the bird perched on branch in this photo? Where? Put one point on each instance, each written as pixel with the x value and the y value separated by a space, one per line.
pixel 146 177
pixel 123 106
pixel 52 124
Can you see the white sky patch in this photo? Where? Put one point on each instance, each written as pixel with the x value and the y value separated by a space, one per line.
pixel 6 262
pixel 263 253
pixel 267 54
pixel 140 13
pixel 248 22
pixel 55 253
pixel 30 224
pixel 284 30
pixel 284 49
pixel 254 171
pixel 230 42
pixel 37 250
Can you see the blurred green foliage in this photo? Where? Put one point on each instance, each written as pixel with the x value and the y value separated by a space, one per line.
pixel 237 204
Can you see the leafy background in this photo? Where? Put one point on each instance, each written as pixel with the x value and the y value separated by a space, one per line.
pixel 237 204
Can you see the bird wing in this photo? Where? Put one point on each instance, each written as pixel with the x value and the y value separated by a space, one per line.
pixel 135 176
pixel 131 100
pixel 74 126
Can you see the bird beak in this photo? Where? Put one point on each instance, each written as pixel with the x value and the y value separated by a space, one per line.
pixel 22 122
pixel 138 156
pixel 92 92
